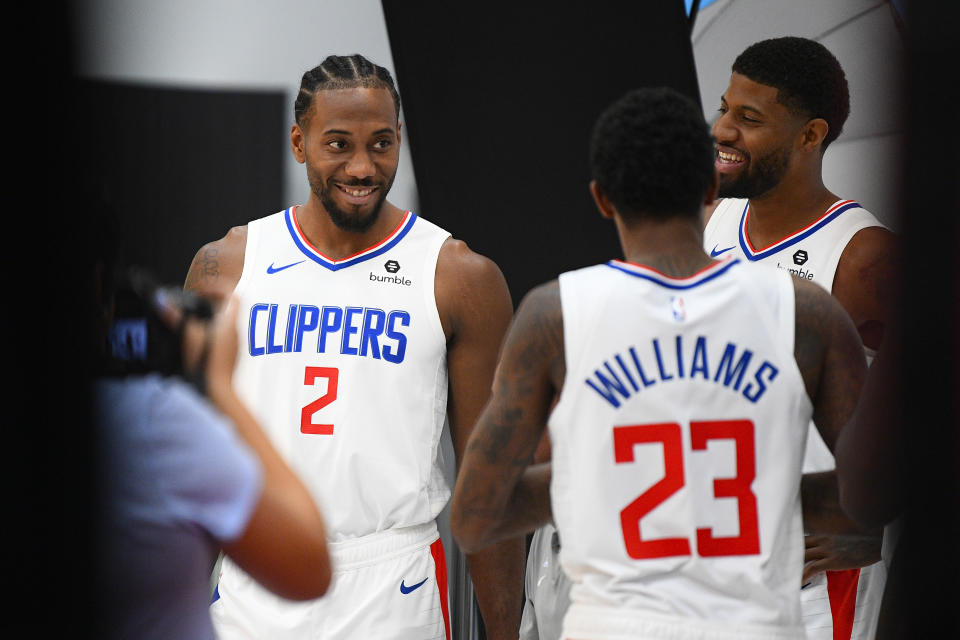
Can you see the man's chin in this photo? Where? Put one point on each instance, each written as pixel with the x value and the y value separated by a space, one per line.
pixel 732 190
pixel 355 222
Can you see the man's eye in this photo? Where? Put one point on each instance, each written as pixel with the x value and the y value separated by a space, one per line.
pixel 337 144
pixel 382 144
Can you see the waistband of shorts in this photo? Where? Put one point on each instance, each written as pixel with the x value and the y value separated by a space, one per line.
pixel 382 545
pixel 608 623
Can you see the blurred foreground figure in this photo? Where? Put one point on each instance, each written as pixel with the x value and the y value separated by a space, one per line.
pixel 184 475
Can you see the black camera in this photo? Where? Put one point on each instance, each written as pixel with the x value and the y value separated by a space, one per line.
pixel 140 340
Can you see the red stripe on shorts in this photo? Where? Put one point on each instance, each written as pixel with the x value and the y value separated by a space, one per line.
pixel 842 590
pixel 440 564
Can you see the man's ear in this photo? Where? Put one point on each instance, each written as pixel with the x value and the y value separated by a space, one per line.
pixel 297 142
pixel 399 124
pixel 813 133
pixel 606 208
pixel 710 197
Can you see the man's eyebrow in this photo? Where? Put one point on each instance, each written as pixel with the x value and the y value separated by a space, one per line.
pixel 350 133
pixel 743 107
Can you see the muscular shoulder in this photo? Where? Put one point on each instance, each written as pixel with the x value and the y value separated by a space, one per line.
pixel 217 266
pixel 468 286
pixel 866 279
pixel 869 246
pixel 539 322
pixel 456 260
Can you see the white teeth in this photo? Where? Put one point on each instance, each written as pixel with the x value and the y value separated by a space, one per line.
pixel 728 157
pixel 358 192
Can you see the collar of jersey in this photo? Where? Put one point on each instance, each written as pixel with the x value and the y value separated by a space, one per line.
pixel 829 215
pixel 311 252
pixel 649 273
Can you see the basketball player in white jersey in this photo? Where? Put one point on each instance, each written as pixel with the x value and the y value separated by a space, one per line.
pixel 786 102
pixel 686 386
pixel 364 327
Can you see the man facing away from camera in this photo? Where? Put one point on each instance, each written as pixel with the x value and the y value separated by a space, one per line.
pixel 684 388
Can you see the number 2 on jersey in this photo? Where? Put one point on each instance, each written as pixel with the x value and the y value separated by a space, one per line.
pixel 670 436
pixel 310 375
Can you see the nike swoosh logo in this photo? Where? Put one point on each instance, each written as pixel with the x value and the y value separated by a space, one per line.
pixel 405 589
pixel 714 253
pixel 272 269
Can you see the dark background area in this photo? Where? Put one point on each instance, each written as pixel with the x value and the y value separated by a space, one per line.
pixel 180 166
pixel 500 99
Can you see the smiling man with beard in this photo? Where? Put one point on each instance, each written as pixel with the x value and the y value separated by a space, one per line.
pixel 786 102
pixel 353 380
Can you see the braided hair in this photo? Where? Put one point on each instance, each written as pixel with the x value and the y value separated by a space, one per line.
pixel 341 72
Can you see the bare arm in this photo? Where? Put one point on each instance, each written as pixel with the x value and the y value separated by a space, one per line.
pixel 871 448
pixel 475 309
pixel 217 266
pixel 864 280
pixel 284 545
pixel 498 493
pixel 830 356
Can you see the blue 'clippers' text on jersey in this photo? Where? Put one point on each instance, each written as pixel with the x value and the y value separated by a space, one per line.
pixel 344 364
pixel 677 444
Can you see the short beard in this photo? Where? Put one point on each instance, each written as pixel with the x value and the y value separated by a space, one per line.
pixel 344 220
pixel 767 174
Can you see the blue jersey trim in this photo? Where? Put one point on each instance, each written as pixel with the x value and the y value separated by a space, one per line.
pixel 665 281
pixel 333 265
pixel 742 233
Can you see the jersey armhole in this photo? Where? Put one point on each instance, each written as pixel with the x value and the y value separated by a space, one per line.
pixel 249 255
pixel 430 277
pixel 569 321
pixel 718 212
pixel 833 263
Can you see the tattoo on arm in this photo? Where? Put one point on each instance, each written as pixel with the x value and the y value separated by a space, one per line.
pixel 809 341
pixel 497 493
pixel 205 267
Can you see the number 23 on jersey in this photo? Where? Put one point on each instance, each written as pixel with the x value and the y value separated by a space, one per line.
pixel 669 434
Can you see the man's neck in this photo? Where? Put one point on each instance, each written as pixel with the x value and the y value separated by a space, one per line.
pixel 787 208
pixel 337 243
pixel 673 247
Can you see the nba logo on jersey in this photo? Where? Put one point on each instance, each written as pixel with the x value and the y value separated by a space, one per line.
pixel 679 312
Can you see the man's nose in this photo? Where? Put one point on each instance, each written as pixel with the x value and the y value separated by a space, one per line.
pixel 723 129
pixel 360 164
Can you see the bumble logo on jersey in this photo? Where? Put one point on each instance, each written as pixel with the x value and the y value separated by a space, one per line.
pixel 391 266
pixel 358 331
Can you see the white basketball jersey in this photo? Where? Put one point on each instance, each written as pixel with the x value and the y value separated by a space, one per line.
pixel 812 253
pixel 344 364
pixel 676 447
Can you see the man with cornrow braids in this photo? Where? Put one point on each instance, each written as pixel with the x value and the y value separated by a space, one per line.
pixel 364 327
pixel 786 102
